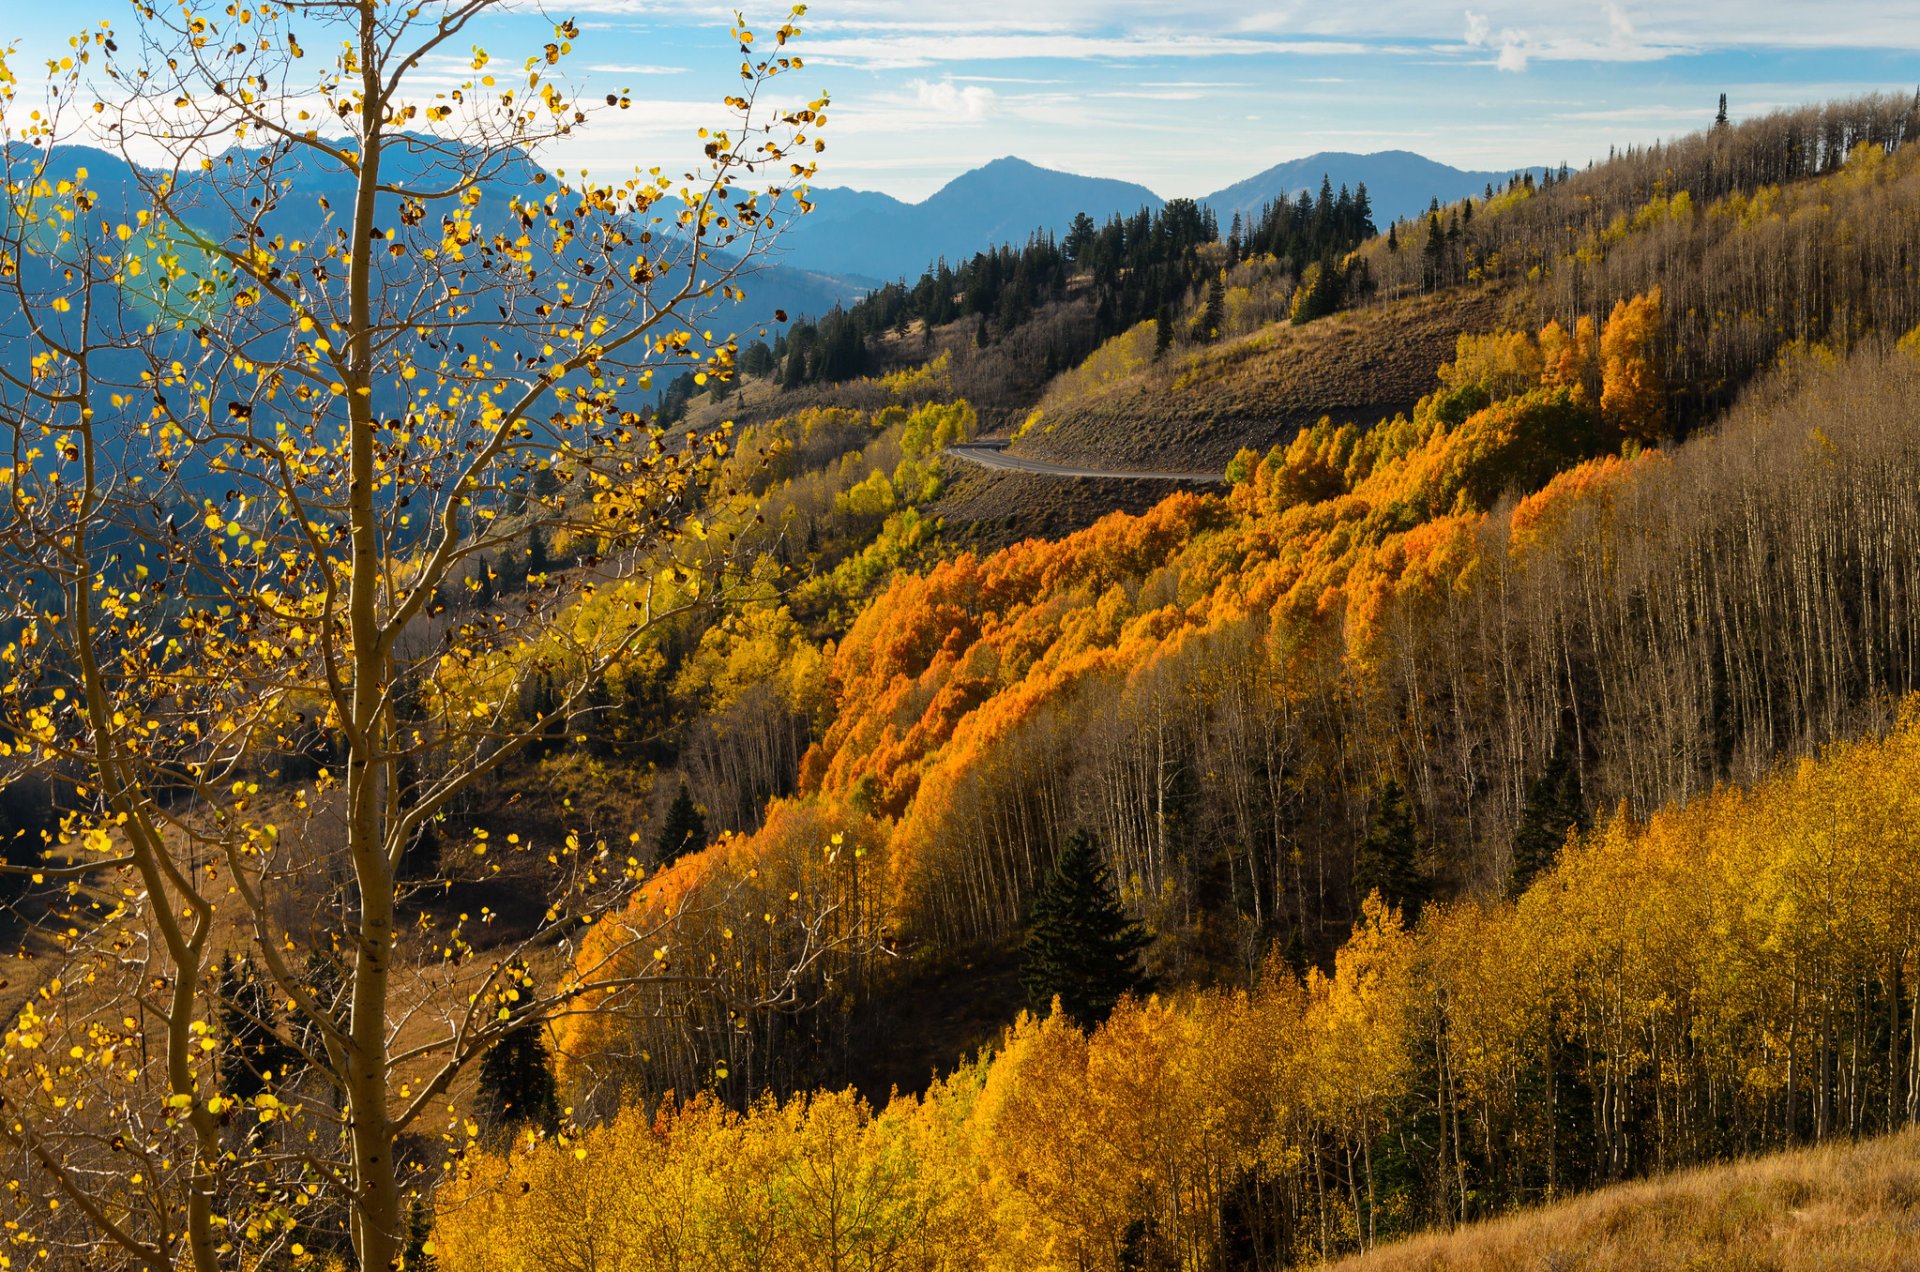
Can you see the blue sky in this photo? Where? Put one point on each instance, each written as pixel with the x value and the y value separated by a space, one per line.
pixel 1186 96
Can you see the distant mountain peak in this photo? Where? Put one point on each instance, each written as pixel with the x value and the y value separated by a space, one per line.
pixel 864 235
pixel 1400 183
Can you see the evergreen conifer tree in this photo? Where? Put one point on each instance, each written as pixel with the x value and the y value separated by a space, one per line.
pixel 1554 808
pixel 684 831
pixel 419 1235
pixel 252 1055
pixel 1080 236
pixel 1214 320
pixel 516 1084
pixel 1388 859
pixel 1081 946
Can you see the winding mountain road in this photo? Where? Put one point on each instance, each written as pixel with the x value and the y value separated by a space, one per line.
pixel 994 455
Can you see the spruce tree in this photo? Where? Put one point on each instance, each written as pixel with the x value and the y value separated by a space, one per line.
pixel 1388 859
pixel 1081 946
pixel 252 1055
pixel 419 1234
pixel 1554 808
pixel 684 831
pixel 516 1085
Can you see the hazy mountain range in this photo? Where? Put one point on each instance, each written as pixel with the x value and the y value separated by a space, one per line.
pixel 872 237
pixel 855 239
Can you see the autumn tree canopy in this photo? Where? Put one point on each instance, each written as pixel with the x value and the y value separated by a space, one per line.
pixel 285 394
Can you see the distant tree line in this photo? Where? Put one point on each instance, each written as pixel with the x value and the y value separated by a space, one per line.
pixel 1760 233
pixel 1132 268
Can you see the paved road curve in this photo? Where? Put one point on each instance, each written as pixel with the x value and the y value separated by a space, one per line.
pixel 994 455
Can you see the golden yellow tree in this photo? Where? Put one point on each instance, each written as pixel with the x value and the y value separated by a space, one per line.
pixel 1633 394
pixel 281 396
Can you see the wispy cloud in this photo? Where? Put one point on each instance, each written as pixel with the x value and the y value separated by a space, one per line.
pixel 1509 46
pixel 641 69
pixel 909 51
pixel 1627 27
pixel 955 101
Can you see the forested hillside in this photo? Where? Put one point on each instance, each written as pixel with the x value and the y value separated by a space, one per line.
pixel 1630 1010
pixel 1401 661
pixel 1234 693
pixel 507 770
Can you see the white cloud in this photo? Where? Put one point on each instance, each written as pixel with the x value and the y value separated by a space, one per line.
pixel 1677 25
pixel 908 51
pixel 1622 25
pixel 1512 45
pixel 954 101
pixel 1513 51
pixel 642 69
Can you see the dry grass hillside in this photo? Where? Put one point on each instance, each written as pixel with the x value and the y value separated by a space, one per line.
pixel 1195 410
pixel 1853 1206
pixel 987 509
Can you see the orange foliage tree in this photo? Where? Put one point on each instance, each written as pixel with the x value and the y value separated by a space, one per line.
pixel 1731 975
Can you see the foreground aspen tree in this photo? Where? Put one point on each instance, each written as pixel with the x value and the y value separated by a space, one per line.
pixel 303 340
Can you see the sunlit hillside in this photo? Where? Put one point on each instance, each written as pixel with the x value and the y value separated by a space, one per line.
pixel 538 732
pixel 1844 1206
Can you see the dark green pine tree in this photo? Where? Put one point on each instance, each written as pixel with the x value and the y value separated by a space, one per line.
pixel 1081 946
pixel 252 1055
pixel 684 831
pixel 1388 859
pixel 419 1233
pixel 516 1086
pixel 1554 808
pixel 1214 319
pixel 794 374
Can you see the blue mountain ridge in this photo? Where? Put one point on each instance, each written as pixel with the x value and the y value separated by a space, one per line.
pixel 873 237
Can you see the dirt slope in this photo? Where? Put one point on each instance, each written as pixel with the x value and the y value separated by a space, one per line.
pixel 1195 411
